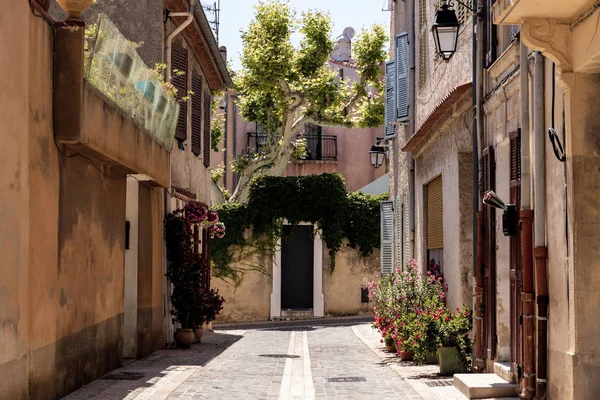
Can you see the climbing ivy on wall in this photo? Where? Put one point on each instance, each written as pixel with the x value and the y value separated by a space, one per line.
pixel 255 227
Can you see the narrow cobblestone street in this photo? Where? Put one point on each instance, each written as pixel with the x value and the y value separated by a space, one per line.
pixel 330 360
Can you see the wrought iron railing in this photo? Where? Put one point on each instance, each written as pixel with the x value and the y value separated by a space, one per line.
pixel 113 66
pixel 321 147
pixel 255 143
pixel 318 146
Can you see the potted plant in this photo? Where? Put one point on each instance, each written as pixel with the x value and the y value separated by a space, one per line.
pixel 192 304
pixel 453 340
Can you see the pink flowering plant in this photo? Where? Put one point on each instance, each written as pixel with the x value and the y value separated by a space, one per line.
pixel 410 309
pixel 453 331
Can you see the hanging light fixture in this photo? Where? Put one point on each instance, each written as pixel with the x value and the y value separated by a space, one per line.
pixel 378 153
pixel 445 31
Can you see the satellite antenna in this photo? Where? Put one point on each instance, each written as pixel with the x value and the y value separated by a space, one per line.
pixel 348 33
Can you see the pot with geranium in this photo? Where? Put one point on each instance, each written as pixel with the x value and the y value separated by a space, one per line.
pixel 454 344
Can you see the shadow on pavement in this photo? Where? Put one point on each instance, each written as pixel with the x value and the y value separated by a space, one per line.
pixel 297 325
pixel 155 372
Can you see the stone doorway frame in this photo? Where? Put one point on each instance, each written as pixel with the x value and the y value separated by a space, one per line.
pixel 318 297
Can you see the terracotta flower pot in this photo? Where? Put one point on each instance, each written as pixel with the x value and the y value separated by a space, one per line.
pixel 198 332
pixel 184 337
pixel 404 355
pixel 74 7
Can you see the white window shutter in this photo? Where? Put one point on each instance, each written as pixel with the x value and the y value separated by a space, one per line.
pixel 402 77
pixel 399 232
pixel 387 238
pixel 390 99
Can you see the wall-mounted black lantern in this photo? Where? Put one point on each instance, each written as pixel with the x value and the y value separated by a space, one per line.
pixel 445 31
pixel 378 153
pixel 509 217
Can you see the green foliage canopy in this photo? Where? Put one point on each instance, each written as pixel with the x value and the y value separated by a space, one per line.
pixel 318 199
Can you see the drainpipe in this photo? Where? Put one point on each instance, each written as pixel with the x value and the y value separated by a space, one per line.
pixel 225 141
pixel 527 216
pixel 528 387
pixel 539 173
pixel 411 130
pixel 478 9
pixel 169 46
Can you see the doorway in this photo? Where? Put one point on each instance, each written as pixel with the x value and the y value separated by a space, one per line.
pixel 297 268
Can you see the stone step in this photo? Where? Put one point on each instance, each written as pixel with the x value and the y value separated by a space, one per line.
pixel 297 313
pixel 484 386
pixel 502 369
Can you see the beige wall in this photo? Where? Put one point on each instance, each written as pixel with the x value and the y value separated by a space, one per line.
pixel 251 299
pixel 447 154
pixel 62 254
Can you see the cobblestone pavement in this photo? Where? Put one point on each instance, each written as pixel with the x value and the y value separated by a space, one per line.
pixel 277 361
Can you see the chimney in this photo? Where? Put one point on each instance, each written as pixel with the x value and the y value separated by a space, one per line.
pixel 343 48
pixel 223 51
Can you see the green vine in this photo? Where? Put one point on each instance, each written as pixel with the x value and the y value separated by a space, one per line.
pixel 254 228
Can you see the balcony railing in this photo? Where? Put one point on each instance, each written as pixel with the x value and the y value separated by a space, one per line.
pixel 321 147
pixel 113 66
pixel 255 143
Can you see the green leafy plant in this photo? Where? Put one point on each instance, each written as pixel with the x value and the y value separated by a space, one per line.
pixel 193 304
pixel 254 228
pixel 282 87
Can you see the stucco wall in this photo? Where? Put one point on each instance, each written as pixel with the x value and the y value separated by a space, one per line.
pixel 251 299
pixel 439 156
pixel 62 252
pixel 142 23
pixel 341 288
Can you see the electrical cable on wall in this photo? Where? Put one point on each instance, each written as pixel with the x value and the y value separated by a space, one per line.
pixel 557 146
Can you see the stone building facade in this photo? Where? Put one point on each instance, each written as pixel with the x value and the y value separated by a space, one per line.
pixel 434 148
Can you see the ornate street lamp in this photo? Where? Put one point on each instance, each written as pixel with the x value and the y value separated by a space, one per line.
pixel 445 31
pixel 378 153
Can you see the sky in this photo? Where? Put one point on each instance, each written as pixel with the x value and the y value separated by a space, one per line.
pixel 237 14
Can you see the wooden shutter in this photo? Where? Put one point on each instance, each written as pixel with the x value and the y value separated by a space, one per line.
pixel 207 110
pixel 179 62
pixel 387 237
pixel 489 34
pixel 515 155
pixel 402 83
pixel 197 114
pixel 487 169
pixel 390 97
pixel 399 231
pixel 435 215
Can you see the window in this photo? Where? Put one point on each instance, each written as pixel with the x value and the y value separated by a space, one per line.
pixel 387 237
pixel 423 35
pixel 435 220
pixel 197 114
pixel 390 99
pixel 179 63
pixel 206 144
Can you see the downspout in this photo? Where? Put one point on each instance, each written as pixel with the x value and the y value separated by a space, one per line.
pixel 539 173
pixel 528 387
pixel 527 215
pixel 169 46
pixel 234 180
pixel 477 216
pixel 411 130
pixel 225 133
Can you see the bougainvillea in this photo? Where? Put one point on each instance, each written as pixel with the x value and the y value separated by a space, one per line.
pixel 193 304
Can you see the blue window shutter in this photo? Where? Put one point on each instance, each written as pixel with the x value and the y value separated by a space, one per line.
pixel 387 237
pixel 402 83
pixel 390 98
